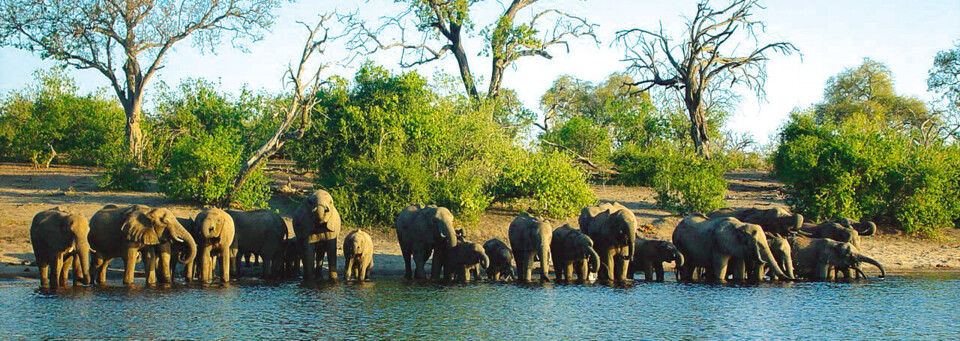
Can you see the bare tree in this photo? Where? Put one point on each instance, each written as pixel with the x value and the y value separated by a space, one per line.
pixel 442 26
pixel 699 63
pixel 126 41
pixel 306 83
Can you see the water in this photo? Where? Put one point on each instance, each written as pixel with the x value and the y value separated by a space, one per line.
pixel 898 307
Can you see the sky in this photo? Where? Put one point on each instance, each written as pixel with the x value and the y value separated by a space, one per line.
pixel 832 36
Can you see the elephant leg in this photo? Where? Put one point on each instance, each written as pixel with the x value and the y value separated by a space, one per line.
pixel 407 271
pixel 719 267
pixel 738 268
pixel 528 267
pixel 206 264
pixel 65 270
pixel 100 267
pixel 348 269
pixel 309 257
pixel 567 269
pixel 129 264
pixel 464 274
pixel 647 267
pixel 608 260
pixel 623 263
pixel 44 267
pixel 421 261
pixel 225 264
pixel 658 267
pixel 822 271
pixel 437 266
pixel 331 258
pixel 150 264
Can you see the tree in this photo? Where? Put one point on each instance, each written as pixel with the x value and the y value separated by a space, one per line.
pixel 126 41
pixel 444 23
pixel 945 75
pixel 699 63
pixel 868 90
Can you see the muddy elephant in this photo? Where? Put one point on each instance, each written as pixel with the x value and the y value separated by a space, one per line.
pixel 423 231
pixel 125 231
pixel 777 220
pixel 573 252
pixel 358 255
pixel 60 236
pixel 260 232
pixel 530 237
pixel 316 223
pixel 464 259
pixel 501 260
pixel 613 229
pixel 713 243
pixel 214 232
pixel 649 256
pixel 814 258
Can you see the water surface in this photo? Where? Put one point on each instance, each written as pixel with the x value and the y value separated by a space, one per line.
pixel 898 307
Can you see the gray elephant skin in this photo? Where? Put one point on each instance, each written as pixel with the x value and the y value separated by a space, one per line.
pixel 214 232
pixel 125 231
pixel 501 260
pixel 649 256
pixel 529 237
pixel 814 258
pixel 777 220
pixel 59 236
pixel 316 223
pixel 613 229
pixel 422 231
pixel 358 256
pixel 573 253
pixel 782 254
pixel 714 243
pixel 464 259
pixel 260 232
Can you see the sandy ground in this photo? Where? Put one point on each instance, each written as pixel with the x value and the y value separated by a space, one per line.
pixel 24 191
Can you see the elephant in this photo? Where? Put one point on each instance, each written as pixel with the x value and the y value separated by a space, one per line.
pixel 777 220
pixel 813 258
pixel 124 231
pixel 422 231
pixel 713 243
pixel 613 229
pixel 501 259
pixel 260 232
pixel 649 256
pixel 529 237
pixel 465 258
pixel 358 254
pixel 832 230
pixel 573 252
pixel 58 235
pixel 782 254
pixel 864 227
pixel 215 232
pixel 290 266
pixel 316 223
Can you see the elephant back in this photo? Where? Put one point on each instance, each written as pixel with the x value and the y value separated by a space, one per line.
pixel 58 228
pixel 255 229
pixel 527 233
pixel 105 236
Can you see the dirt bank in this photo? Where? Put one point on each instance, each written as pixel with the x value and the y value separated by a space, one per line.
pixel 24 191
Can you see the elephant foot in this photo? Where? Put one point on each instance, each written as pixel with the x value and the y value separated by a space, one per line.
pixel 333 276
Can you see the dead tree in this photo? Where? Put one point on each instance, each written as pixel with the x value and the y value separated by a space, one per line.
pixel 699 63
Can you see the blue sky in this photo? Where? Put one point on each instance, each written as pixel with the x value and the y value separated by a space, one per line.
pixel 832 36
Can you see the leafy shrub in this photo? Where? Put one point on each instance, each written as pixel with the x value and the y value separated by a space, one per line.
pixel 551 182
pixel 582 136
pixel 121 172
pixel 683 182
pixel 202 170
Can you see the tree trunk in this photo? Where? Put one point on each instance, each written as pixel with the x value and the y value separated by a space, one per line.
pixel 468 82
pixel 698 128
pixel 132 109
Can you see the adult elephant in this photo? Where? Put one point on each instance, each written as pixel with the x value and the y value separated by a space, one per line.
pixel 613 229
pixel 777 220
pixel 713 243
pixel 358 254
pixel 832 230
pixel 125 231
pixel 815 257
pixel 501 259
pixel 259 232
pixel 57 235
pixel 423 231
pixel 649 256
pixel 215 230
pixel 465 258
pixel 529 237
pixel 316 224
pixel 573 252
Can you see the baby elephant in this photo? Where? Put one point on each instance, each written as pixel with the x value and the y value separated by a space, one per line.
pixel 358 253
pixel 59 240
pixel 501 260
pixel 465 258
pixel 650 256
pixel 573 251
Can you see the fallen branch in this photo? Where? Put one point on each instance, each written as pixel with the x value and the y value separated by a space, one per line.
pixel 53 154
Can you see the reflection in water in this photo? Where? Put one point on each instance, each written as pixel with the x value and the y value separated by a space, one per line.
pixel 894 308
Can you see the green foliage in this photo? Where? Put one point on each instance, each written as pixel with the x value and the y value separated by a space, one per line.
pixel 202 170
pixel 582 136
pixel 867 90
pixel 557 188
pixel 120 171
pixel 864 168
pixel 684 182
pixel 80 128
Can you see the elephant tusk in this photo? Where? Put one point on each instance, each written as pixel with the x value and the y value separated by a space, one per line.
pixel 178 239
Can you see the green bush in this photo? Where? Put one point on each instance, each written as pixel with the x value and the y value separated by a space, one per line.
pixel 550 182
pixel 202 170
pixel 121 172
pixel 862 168
pixel 683 182
pixel 582 136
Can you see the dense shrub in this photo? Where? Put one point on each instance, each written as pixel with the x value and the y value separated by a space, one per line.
pixel 554 186
pixel 202 170
pixel 683 182
pixel 582 136
pixel 863 168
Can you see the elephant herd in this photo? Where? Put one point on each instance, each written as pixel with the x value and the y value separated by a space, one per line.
pixel 749 244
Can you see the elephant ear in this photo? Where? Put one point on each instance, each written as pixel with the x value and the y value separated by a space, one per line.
pixel 139 229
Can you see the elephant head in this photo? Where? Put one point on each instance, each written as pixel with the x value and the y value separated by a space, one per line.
pixel 441 225
pixel 584 245
pixel 746 241
pixel 153 226
pixel 664 250
pixel 780 248
pixel 469 254
pixel 864 227
pixel 322 212
pixel 501 258
pixel 846 256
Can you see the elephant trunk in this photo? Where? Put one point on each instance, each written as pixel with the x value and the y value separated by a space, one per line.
pixel 632 246
pixel 868 260
pixel 188 239
pixel 83 250
pixel 544 260
pixel 594 264
pixel 767 256
pixel 678 259
pixel 484 260
pixel 867 228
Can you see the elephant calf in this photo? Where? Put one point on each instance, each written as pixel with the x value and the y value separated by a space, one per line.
pixel 573 252
pixel 422 231
pixel 465 258
pixel 530 237
pixel 815 257
pixel 56 235
pixel 649 256
pixel 358 254
pixel 501 259
pixel 215 232
pixel 613 228
pixel 260 232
